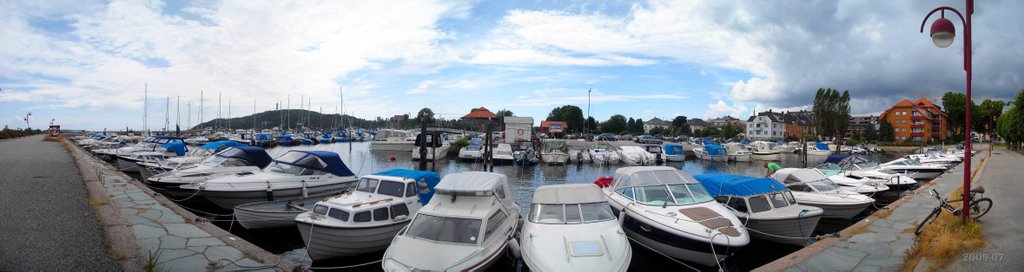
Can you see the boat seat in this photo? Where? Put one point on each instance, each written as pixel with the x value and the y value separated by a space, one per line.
pixel 979 189
pixel 711 219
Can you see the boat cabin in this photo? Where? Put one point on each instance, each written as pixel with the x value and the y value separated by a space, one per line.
pixel 309 163
pixel 467 206
pixel 659 186
pixel 570 204
pixel 384 197
pixel 239 156
pixel 748 195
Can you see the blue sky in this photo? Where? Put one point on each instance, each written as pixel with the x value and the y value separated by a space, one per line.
pixel 86 63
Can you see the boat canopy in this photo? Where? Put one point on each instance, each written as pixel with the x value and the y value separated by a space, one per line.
pixel 177 147
pixel 475 144
pixel 472 183
pixel 835 158
pixel 790 175
pixel 821 146
pixel 253 155
pixel 716 150
pixel 426 181
pixel 315 159
pixel 554 145
pixel 568 194
pixel 263 137
pixel 650 175
pixel 736 185
pixel 432 138
pixel 673 149
pixel 218 145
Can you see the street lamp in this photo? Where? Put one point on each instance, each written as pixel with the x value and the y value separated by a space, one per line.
pixel 586 124
pixel 943 32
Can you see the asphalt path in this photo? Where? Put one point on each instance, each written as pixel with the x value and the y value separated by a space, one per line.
pixel 46 223
pixel 1003 226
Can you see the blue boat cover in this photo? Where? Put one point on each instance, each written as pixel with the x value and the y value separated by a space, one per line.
pixel 716 150
pixel 673 149
pixel 255 156
pixel 425 181
pixel 736 185
pixel 218 145
pixel 835 158
pixel 475 144
pixel 167 137
pixel 177 147
pixel 263 137
pixel 333 162
pixel 821 146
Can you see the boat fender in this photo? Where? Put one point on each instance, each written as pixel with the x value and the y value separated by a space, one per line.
pixel 270 192
pixel 513 247
pixel 622 216
pixel 305 192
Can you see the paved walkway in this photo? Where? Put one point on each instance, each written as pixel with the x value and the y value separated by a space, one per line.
pixel 46 222
pixel 174 242
pixel 1003 226
pixel 874 244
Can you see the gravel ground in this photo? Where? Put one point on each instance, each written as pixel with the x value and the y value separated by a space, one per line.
pixel 46 223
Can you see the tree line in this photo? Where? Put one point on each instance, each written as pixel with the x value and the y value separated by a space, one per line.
pixel 15 133
pixel 1010 124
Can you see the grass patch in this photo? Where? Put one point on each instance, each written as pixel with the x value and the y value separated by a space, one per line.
pixel 97 202
pixel 855 229
pixel 943 239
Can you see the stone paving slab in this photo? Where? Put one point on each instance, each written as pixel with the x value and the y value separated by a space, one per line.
pixel 173 242
pixel 882 243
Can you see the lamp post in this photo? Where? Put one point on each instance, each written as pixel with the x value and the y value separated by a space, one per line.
pixel 586 123
pixel 943 33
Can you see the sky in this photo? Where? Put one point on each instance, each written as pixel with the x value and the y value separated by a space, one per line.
pixel 89 64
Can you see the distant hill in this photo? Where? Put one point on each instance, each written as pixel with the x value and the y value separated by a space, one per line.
pixel 287 118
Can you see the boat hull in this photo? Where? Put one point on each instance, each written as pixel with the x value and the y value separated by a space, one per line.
pixel 273 214
pixel 777 230
pixel 331 242
pixel 767 156
pixel 391 146
pixel 127 165
pixel 919 174
pixel 229 199
pixel 554 158
pixel 675 158
pixel 740 158
pixel 842 211
pixel 673 245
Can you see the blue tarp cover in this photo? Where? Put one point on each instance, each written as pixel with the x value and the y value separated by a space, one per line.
pixel 429 177
pixel 177 147
pixel 716 150
pixel 334 164
pixel 673 149
pixel 821 146
pixel 222 144
pixel 255 156
pixel 736 185
pixel 835 158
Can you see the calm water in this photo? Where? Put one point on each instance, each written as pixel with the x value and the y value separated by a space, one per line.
pixel 523 181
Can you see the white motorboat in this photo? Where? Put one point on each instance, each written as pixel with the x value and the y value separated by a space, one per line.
pixel 862 184
pixel 858 167
pixel 503 154
pixel 604 154
pixel 635 155
pixel 294 174
pixel 148 168
pixel 152 144
pixel 915 169
pixel 738 152
pixel 765 151
pixel 666 209
pixel 272 214
pixel 466 226
pixel 197 140
pixel 227 162
pixel 711 152
pixel 818 149
pixel 936 157
pixel 472 152
pixel 812 188
pixel 554 151
pixel 129 163
pixel 572 228
pixel 367 219
pixel 579 156
pixel 655 153
pixel 770 210
pixel 525 155
pixel 674 153
pixel 435 143
pixel 790 147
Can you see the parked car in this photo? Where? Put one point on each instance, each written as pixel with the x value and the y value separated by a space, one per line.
pixel 605 137
pixel 648 139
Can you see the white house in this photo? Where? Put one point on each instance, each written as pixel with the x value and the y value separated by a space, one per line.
pixel 766 126
pixel 654 123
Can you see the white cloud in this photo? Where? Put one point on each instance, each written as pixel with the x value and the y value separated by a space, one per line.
pixel 553 97
pixel 738 110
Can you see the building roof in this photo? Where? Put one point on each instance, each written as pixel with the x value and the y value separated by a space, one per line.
pixel 549 123
pixel 480 113
pixel 657 122
pixel 695 121
pixel 773 116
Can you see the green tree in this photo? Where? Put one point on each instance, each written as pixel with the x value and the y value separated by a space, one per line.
pixel 885 131
pixel 591 124
pixel 870 134
pixel 571 115
pixel 679 121
pixel 630 124
pixel 425 113
pixel 955 105
pixel 988 113
pixel 615 124
pixel 832 113
pixel 730 131
pixel 638 126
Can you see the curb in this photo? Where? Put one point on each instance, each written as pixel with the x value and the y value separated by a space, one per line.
pixel 803 254
pixel 228 238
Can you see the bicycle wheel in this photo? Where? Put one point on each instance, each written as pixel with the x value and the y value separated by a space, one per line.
pixel 931 217
pixel 980 207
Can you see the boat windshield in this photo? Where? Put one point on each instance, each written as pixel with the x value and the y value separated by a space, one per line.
pixel 865 165
pixel 445 229
pixel 218 161
pixel 571 213
pixel 284 168
pixel 672 194
pixel 823 185
pixel 367 185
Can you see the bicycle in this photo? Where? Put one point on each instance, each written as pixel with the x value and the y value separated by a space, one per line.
pixel 979 207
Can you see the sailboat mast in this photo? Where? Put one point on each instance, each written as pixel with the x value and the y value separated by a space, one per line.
pixel 145 109
pixel 167 114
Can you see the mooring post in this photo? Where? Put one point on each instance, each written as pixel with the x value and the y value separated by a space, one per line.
pixel 422 142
